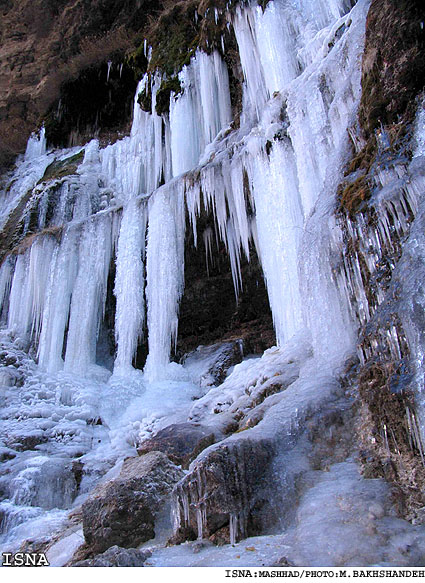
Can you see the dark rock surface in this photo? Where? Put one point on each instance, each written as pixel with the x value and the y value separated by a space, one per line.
pixel 116 557
pixel 181 442
pixel 122 511
pixel 27 441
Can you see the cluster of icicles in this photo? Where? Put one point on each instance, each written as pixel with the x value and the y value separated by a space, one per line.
pixel 374 245
pixel 262 182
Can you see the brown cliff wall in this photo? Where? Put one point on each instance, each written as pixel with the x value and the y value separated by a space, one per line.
pixel 45 43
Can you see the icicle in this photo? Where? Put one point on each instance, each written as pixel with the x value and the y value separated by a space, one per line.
pixel 88 294
pixel 41 256
pixel 279 218
pixel 6 274
pixel 165 274
pixel 137 164
pixel 233 526
pixel 109 71
pixel 193 204
pixel 185 119
pixel 55 315
pixel 200 112
pixel 20 297
pixel 208 236
pixel 129 285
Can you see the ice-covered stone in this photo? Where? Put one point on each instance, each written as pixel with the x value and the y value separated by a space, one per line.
pixel 122 511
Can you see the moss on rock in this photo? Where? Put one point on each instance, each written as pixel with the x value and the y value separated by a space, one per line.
pixel 61 168
pixel 167 87
pixel 144 99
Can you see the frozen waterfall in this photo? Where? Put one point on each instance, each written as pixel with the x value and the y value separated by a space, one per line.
pixel 297 106
pixel 96 262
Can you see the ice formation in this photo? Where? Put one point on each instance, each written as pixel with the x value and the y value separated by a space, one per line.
pixel 126 204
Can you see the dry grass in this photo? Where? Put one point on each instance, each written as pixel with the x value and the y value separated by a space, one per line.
pixel 352 194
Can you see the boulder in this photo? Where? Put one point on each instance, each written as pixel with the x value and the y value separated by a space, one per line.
pixel 182 442
pixel 122 512
pixel 117 557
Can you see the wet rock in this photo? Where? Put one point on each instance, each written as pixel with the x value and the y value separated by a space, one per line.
pixel 227 491
pixel 181 442
pixel 117 557
pixel 122 512
pixel 283 562
pixel 10 377
pixel 28 441
pixel 209 364
pixel 6 454
pixel 198 545
pixel 221 536
pixel 78 470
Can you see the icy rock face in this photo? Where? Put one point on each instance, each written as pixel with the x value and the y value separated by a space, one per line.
pixel 252 387
pixel 32 486
pixel 409 275
pixel 381 267
pixel 123 510
pixel 265 184
pixel 351 521
pixel 235 484
pixel 46 423
pixel 376 236
pixel 224 491
pixel 219 358
pixel 342 519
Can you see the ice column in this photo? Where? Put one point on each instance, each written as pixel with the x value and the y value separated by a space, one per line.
pixel 199 113
pixel 129 284
pixel 280 220
pixel 6 275
pixel 36 145
pixel 165 274
pixel 56 310
pixel 20 297
pixel 89 293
